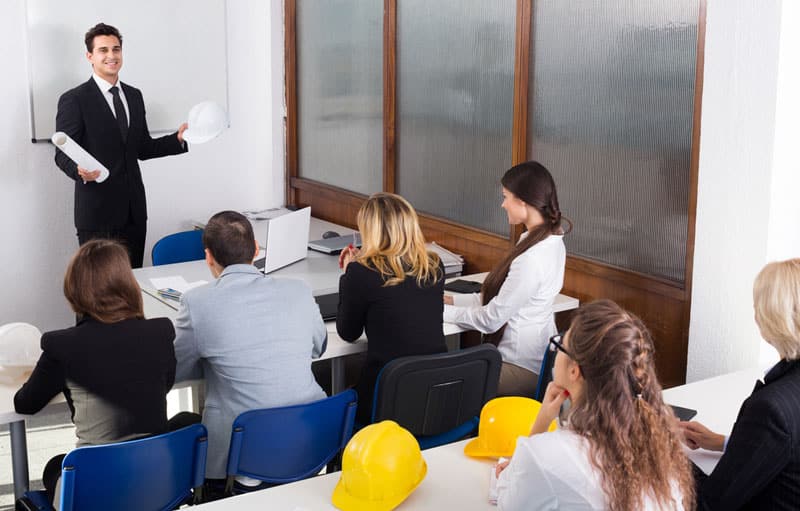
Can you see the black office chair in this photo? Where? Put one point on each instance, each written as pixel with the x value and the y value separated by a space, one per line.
pixel 438 398
pixel 546 371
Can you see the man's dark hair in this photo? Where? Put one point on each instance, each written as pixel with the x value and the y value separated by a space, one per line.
pixel 100 29
pixel 229 237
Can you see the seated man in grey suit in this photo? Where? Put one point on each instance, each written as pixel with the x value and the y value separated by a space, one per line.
pixel 250 336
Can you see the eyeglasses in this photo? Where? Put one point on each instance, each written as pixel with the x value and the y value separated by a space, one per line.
pixel 557 344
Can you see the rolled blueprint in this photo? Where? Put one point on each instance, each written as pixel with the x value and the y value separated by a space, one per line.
pixel 78 154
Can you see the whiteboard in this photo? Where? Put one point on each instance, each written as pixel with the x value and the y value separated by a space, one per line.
pixel 174 51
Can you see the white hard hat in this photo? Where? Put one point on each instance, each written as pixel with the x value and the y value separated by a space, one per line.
pixel 19 345
pixel 206 121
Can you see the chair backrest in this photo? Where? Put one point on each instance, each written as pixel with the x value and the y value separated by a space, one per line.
pixel 178 248
pixel 433 394
pixel 156 473
pixel 281 445
pixel 546 371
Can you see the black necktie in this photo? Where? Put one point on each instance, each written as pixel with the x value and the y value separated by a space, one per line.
pixel 119 108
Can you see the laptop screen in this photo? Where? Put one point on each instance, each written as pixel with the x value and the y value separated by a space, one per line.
pixel 287 239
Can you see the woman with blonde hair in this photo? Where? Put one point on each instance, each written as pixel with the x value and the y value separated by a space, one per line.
pixel 760 464
pixel 619 447
pixel 114 367
pixel 391 289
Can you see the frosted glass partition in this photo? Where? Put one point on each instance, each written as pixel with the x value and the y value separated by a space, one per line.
pixel 611 103
pixel 455 84
pixel 340 93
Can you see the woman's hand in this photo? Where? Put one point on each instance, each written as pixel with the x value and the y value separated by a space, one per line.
pixel 448 300
pixel 696 435
pixel 347 255
pixel 500 467
pixel 554 396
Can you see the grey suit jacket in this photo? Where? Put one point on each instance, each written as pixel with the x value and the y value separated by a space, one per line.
pixel 252 338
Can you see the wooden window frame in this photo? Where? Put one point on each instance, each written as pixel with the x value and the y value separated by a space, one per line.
pixel 663 304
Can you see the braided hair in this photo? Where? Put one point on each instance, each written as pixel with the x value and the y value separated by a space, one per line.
pixel 632 434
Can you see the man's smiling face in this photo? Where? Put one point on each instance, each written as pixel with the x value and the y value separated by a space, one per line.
pixel 106 57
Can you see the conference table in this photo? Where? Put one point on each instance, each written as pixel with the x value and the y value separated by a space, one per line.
pixel 457 481
pixel 320 271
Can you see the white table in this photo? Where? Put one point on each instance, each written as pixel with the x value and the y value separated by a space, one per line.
pixel 454 481
pixel 717 401
pixel 321 272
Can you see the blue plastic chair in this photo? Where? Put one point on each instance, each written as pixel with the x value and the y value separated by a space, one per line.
pixel 178 248
pixel 438 398
pixel 281 445
pixel 546 371
pixel 156 473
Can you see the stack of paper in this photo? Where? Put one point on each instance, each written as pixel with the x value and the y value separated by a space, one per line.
pixel 453 263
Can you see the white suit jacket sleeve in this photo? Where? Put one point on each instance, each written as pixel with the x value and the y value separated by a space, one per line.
pixel 520 284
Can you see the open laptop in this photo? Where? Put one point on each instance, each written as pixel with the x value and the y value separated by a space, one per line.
pixel 287 240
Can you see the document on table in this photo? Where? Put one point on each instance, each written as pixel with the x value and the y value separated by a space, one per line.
pixel 177 283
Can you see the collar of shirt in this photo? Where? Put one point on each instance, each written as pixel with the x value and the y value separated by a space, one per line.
pixel 104 87
pixel 103 84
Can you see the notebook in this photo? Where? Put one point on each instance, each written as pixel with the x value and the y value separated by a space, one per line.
pixel 336 244
pixel 328 305
pixel 287 237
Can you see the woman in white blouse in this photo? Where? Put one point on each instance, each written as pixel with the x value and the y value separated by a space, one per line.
pixel 621 446
pixel 515 306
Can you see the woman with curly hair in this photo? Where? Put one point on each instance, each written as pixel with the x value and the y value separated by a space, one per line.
pixel 619 446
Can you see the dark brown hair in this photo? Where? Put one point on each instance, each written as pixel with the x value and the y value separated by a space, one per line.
pixel 532 183
pixel 99 283
pixel 632 434
pixel 229 237
pixel 100 29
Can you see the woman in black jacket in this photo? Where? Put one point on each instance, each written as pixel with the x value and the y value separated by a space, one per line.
pixel 392 288
pixel 114 367
pixel 760 465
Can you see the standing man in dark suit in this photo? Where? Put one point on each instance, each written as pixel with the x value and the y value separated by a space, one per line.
pixel 107 118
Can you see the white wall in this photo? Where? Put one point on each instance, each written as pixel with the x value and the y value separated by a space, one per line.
pixel 241 169
pixel 741 172
pixel 783 241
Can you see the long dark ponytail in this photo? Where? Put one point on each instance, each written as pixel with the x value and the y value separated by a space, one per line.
pixel 533 184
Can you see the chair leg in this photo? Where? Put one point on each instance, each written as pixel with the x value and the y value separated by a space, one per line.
pixel 335 465
pixel 198 495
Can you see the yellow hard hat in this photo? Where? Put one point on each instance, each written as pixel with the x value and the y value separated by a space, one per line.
pixel 503 420
pixel 381 466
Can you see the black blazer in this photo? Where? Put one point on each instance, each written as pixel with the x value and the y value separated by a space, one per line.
pixel 85 116
pixel 130 365
pixel 399 321
pixel 760 468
